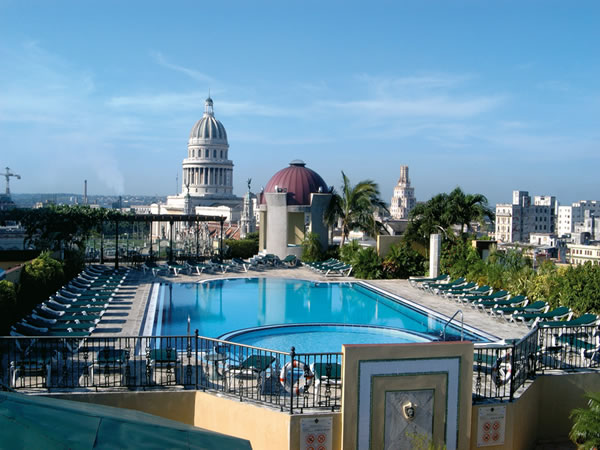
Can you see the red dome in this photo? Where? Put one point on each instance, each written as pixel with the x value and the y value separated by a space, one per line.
pixel 298 181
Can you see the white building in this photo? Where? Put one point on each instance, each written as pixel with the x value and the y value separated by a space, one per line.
pixel 568 216
pixel 580 254
pixel 403 200
pixel 207 181
pixel 543 239
pixel 517 220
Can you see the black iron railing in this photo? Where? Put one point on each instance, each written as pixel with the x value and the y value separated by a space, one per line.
pixel 286 379
pixel 500 370
pixel 292 381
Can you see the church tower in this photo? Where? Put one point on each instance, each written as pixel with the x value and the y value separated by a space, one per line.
pixel 403 200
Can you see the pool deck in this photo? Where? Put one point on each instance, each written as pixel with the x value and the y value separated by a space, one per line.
pixel 125 315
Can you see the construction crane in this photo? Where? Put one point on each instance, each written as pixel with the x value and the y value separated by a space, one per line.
pixel 7 175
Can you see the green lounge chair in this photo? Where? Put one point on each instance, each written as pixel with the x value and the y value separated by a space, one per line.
pixel 455 283
pixel 176 268
pixel 56 324
pixel 110 360
pixel 417 281
pixel 586 319
pixel 25 329
pixel 252 366
pixel 166 359
pixel 290 260
pixel 517 300
pixel 240 263
pixel 328 375
pixel 466 299
pixel 481 290
pixel 462 289
pixel 533 318
pixel 35 363
pixel 340 269
pixel 48 313
pixel 506 311
pixel 74 309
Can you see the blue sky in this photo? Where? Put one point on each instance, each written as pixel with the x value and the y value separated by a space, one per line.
pixel 489 96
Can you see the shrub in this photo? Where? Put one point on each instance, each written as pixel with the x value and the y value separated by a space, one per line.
pixel 311 248
pixel 243 248
pixel 458 257
pixel 349 251
pixel 8 306
pixel 367 264
pixel 402 262
pixel 579 288
pixel 39 279
pixel 586 423
pixel 332 252
pixel 254 236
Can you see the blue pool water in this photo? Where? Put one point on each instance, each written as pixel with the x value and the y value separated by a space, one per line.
pixel 219 307
pixel 321 338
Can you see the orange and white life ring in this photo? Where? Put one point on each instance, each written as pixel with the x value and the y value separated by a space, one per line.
pixel 305 377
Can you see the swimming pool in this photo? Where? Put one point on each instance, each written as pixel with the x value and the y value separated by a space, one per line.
pixel 217 308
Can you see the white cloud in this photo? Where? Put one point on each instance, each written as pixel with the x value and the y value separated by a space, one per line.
pixel 430 106
pixel 194 74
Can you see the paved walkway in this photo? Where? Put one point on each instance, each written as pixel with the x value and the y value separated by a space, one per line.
pixel 125 315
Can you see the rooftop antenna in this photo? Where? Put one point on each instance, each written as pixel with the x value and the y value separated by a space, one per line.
pixel 7 175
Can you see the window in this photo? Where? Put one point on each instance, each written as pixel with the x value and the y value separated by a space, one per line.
pixel 221 154
pixel 214 153
pixel 206 153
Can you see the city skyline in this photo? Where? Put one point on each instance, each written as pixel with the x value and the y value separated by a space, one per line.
pixel 491 98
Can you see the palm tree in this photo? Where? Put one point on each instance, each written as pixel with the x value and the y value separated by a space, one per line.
pixel 444 210
pixel 467 208
pixel 355 207
pixel 586 423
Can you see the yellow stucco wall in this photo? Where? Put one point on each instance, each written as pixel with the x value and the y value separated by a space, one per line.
pixel 295 228
pixel 262 231
pixel 541 413
pixel 384 244
pixel 174 405
pixel 265 428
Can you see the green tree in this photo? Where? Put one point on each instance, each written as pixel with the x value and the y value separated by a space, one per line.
pixel 355 208
pixel 429 217
pixel 403 261
pixel 311 248
pixel 586 423
pixel 444 210
pixel 367 264
pixel 8 306
pixel 467 208
pixel 579 288
pixel 39 279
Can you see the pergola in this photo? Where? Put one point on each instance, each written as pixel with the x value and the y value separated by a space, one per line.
pixel 171 218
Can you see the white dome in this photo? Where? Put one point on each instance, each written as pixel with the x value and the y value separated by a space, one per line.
pixel 208 128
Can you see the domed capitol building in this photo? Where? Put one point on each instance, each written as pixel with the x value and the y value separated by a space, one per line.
pixel 207 175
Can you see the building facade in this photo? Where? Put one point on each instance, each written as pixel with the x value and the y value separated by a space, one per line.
pixel 580 254
pixel 403 199
pixel 207 181
pixel 569 216
pixel 517 220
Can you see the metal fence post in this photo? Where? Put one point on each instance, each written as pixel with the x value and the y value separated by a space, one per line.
pixel 197 368
pixel 293 356
pixel 513 368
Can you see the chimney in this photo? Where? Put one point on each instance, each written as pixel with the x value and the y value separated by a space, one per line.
pixel 85 199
